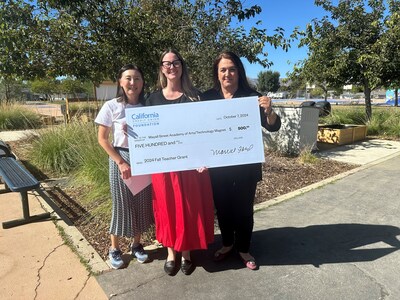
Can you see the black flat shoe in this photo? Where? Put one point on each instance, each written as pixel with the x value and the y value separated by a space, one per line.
pixel 170 267
pixel 187 267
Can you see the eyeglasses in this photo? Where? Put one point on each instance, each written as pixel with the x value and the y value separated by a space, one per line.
pixel 167 64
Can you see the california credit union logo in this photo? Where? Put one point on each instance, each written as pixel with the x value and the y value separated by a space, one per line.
pixel 145 119
pixel 145 116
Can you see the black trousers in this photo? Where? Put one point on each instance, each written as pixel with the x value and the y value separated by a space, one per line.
pixel 234 204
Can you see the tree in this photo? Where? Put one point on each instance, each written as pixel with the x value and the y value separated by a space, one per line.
pixel 294 84
pixel 390 51
pixel 268 81
pixel 317 68
pixel 92 39
pixel 17 61
pixel 346 48
pixel 44 87
pixel 73 86
pixel 317 92
pixel 10 89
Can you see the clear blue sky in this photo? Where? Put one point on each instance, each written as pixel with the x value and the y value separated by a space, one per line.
pixel 286 14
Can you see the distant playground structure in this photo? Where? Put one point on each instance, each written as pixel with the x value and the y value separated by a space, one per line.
pixel 390 97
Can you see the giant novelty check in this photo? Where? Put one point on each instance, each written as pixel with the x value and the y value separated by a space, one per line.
pixel 187 136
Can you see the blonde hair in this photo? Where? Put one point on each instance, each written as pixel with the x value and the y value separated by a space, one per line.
pixel 188 89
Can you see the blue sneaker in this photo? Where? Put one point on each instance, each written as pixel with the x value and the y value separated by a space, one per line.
pixel 115 258
pixel 139 253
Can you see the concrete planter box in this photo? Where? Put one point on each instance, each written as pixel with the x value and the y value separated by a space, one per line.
pixel 298 131
pixel 341 134
pixel 48 120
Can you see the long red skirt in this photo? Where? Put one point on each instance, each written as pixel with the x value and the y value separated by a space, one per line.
pixel 183 209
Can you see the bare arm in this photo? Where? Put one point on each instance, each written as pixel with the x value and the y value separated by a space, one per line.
pixel 103 139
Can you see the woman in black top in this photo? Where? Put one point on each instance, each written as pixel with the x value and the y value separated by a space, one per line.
pixel 234 187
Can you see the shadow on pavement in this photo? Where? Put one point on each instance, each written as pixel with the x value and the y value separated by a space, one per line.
pixel 313 245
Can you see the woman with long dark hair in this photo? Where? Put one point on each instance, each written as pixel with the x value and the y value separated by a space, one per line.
pixel 234 187
pixel 131 214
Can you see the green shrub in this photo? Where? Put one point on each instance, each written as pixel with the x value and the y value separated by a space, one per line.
pixel 83 108
pixel 93 166
pixel 73 150
pixel 385 121
pixel 307 157
pixel 345 115
pixel 54 149
pixel 14 117
pixel 92 173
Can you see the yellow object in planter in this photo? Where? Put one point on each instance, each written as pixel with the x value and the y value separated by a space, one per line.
pixel 341 134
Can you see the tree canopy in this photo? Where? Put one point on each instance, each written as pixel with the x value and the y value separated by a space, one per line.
pixel 92 39
pixel 348 45
pixel 268 81
pixel 44 87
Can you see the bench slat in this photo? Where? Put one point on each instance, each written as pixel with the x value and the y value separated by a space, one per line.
pixel 15 176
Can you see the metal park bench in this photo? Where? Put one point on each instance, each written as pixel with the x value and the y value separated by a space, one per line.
pixel 5 150
pixel 17 179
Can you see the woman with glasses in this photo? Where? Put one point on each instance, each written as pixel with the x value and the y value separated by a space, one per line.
pixel 182 201
pixel 234 187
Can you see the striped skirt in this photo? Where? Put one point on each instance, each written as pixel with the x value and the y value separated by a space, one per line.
pixel 131 215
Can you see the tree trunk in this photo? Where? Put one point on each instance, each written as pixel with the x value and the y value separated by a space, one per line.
pixel 368 108
pixel 396 97
pixel 7 87
pixel 325 93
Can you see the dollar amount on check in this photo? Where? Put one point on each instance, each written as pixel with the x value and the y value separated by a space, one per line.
pixel 187 136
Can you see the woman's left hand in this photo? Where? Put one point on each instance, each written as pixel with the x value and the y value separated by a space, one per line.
pixel 266 103
pixel 125 170
pixel 201 170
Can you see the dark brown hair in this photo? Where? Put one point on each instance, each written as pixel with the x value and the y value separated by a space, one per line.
pixel 243 83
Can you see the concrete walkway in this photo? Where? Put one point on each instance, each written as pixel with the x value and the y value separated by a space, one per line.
pixel 363 152
pixel 16 135
pixel 35 261
pixel 45 109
